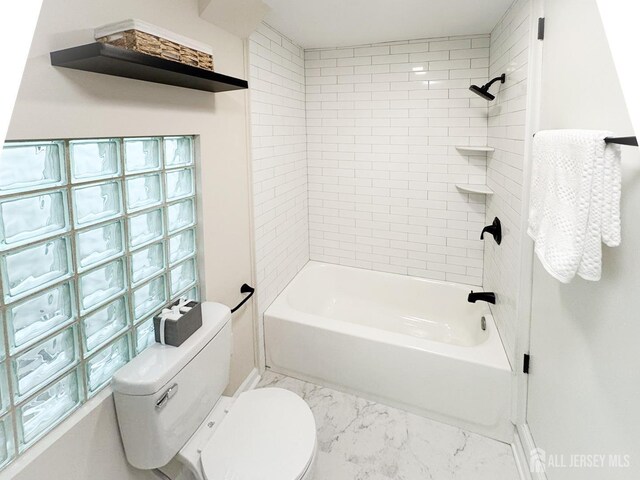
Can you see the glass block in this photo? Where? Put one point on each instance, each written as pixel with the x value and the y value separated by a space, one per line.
pixel 143 192
pixel 141 154
pixel 147 263
pixel 149 298
pixel 145 335
pixel 182 246
pixel 183 276
pixel 35 267
pixel 178 151
pixel 96 203
pixel 105 324
pixel 37 366
pixel 192 294
pixel 181 215
pixel 28 321
pixel 145 228
pixel 102 284
pixel 31 218
pixel 104 364
pixel 4 391
pixel 94 159
pixel 6 440
pixel 47 409
pixel 100 244
pixel 179 184
pixel 30 165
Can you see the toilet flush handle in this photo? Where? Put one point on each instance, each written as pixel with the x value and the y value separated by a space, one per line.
pixel 171 391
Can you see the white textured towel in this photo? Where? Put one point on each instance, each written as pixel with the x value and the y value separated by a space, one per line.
pixel 575 201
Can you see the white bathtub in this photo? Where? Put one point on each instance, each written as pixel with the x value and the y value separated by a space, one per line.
pixel 407 342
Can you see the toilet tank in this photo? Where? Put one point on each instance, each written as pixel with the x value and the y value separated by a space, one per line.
pixel 163 395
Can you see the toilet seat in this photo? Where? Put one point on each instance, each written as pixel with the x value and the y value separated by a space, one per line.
pixel 268 434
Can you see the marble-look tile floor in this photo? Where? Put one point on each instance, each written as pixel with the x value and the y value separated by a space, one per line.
pixel 362 440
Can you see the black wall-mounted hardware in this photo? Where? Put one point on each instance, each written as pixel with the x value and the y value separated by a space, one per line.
pixel 494 229
pixel 107 59
pixel 541 28
pixel 631 141
pixel 525 363
pixel 483 91
pixel 488 297
pixel 244 289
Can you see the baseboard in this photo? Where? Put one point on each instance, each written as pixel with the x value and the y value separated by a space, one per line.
pixel 521 458
pixel 522 446
pixel 249 383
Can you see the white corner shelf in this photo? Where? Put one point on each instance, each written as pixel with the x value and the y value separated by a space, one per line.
pixel 475 148
pixel 481 189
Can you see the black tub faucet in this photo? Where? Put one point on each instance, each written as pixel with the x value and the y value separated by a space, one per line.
pixel 488 297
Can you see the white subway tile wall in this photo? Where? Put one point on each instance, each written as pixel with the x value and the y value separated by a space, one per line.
pixel 509 51
pixel 279 160
pixel 81 274
pixel 383 122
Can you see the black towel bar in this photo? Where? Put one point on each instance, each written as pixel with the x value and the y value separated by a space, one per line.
pixel 633 141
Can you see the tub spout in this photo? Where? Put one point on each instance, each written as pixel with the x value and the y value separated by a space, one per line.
pixel 488 297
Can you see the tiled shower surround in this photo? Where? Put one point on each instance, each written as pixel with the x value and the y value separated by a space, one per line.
pixel 507 117
pixel 279 161
pixel 379 165
pixel 383 122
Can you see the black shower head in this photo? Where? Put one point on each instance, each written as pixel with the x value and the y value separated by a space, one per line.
pixel 483 91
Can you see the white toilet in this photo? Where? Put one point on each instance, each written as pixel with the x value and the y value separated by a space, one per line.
pixel 170 407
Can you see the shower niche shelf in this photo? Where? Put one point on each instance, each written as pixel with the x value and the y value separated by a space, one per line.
pixel 102 58
pixel 475 148
pixel 479 189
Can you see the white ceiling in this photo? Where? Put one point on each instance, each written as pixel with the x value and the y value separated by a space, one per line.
pixel 337 23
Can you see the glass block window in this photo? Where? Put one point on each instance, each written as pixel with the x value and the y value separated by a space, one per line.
pixel 96 236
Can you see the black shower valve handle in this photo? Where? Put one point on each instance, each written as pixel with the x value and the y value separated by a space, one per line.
pixel 494 229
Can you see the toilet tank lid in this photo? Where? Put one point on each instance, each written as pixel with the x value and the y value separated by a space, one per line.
pixel 147 373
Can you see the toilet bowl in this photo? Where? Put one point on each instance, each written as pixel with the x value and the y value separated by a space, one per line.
pixel 170 410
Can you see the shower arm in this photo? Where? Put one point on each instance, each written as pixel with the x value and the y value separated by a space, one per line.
pixel 502 78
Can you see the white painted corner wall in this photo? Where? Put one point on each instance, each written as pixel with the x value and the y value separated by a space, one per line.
pixel 62 103
pixel 619 18
pixel 584 385
pixel 17 23
pixel 239 17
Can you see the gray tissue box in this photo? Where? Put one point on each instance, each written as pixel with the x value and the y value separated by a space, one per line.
pixel 177 331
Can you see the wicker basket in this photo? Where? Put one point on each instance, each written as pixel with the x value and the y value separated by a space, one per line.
pixel 156 45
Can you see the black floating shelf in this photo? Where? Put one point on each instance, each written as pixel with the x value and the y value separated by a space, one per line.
pixel 102 58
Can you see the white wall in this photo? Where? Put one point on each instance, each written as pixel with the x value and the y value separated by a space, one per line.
pixel 279 161
pixel 507 117
pixel 17 22
pixel 584 386
pixel 62 103
pixel 382 123
pixel 86 446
